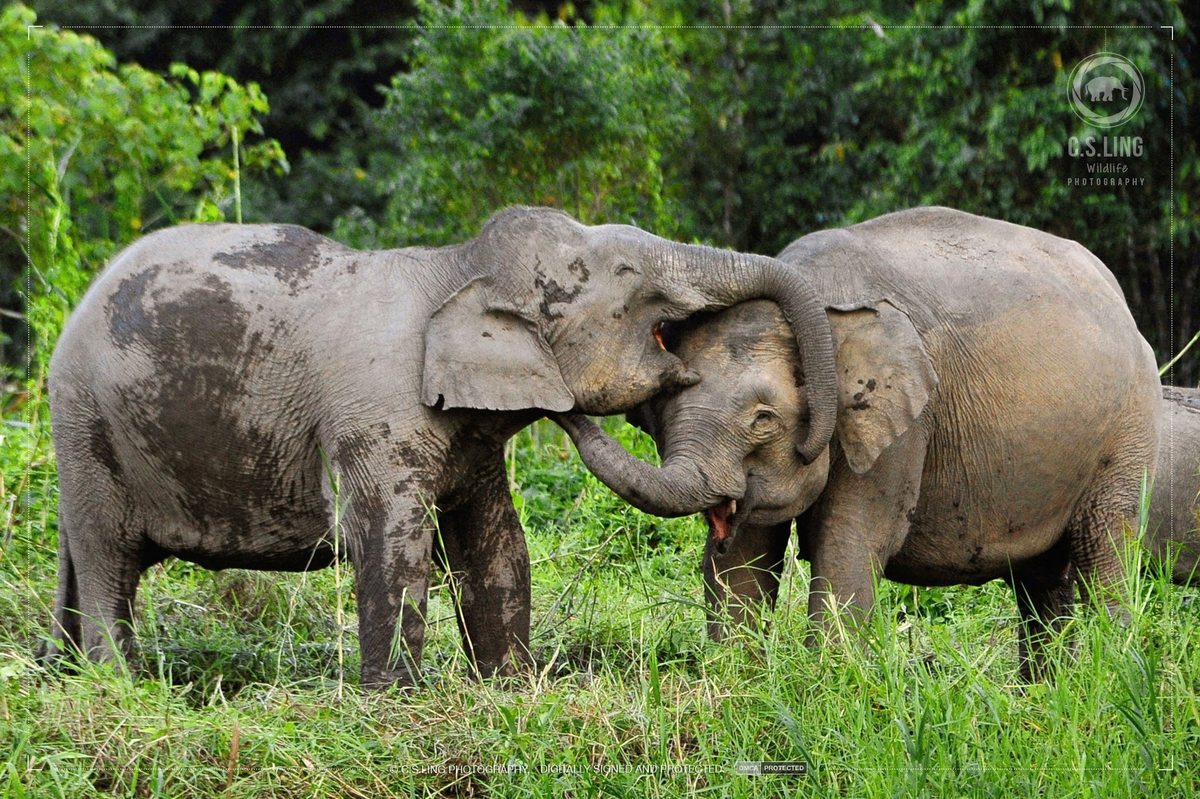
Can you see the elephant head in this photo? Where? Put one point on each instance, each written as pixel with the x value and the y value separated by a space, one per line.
pixel 725 441
pixel 555 315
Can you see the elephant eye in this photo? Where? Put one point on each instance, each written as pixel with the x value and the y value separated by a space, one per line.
pixel 764 417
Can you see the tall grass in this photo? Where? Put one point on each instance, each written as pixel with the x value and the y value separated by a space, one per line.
pixel 244 690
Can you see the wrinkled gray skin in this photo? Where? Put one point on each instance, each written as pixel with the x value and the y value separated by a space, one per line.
pixel 1172 535
pixel 996 408
pixel 212 371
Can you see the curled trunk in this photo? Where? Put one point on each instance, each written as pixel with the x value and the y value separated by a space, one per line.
pixel 710 279
pixel 727 278
pixel 679 488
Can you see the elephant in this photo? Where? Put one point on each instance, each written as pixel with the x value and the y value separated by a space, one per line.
pixel 1173 526
pixel 996 410
pixel 1102 88
pixel 223 393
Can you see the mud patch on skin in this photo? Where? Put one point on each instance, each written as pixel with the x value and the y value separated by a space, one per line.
pixel 126 309
pixel 578 269
pixel 861 400
pixel 554 294
pixel 203 324
pixel 101 446
pixel 291 258
pixel 234 478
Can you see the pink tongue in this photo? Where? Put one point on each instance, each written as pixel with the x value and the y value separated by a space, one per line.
pixel 719 517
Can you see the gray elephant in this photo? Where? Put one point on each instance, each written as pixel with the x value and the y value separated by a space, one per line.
pixel 961 454
pixel 1173 528
pixel 1102 88
pixel 221 387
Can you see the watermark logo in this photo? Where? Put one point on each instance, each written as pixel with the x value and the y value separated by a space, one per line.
pixel 1105 90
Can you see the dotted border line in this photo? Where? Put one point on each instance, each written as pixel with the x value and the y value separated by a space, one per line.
pixel 1171 305
pixel 415 27
pixel 27 499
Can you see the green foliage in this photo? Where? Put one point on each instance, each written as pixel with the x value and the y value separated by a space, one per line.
pixel 761 164
pixel 113 151
pixel 976 118
pixel 312 65
pixel 797 128
pixel 320 61
pixel 547 114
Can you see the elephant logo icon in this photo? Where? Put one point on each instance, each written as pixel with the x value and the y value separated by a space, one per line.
pixel 1105 90
pixel 1103 86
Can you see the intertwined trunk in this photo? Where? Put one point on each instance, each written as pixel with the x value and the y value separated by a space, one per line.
pixel 679 488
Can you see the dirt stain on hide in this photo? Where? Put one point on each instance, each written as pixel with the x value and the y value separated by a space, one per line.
pixel 229 473
pixel 126 310
pixel 861 400
pixel 579 269
pixel 291 258
pixel 100 444
pixel 553 293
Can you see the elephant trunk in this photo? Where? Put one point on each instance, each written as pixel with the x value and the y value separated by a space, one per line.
pixel 725 278
pixel 679 488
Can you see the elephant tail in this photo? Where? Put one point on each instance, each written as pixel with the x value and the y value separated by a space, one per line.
pixel 65 628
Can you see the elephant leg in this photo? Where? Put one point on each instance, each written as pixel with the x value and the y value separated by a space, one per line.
pixel 391 550
pixel 744 581
pixel 1101 529
pixel 1045 598
pixel 482 547
pixel 860 521
pixel 100 547
pixel 382 496
pixel 102 572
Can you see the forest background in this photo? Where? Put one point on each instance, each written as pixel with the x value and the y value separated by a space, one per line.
pixel 739 124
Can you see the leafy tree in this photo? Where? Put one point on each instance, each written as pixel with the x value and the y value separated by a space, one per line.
pixel 754 162
pixel 307 56
pixel 113 151
pixel 977 118
pixel 319 62
pixel 798 128
pixel 536 113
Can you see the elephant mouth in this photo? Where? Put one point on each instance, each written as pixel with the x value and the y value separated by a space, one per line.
pixel 722 522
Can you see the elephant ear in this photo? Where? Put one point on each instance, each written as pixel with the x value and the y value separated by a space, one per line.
pixel 885 378
pixel 485 354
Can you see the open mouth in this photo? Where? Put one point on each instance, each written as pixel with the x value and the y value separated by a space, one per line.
pixel 719 518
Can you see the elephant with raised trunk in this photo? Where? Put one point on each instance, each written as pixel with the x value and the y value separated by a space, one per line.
pixel 221 387
pixel 996 410
pixel 1173 527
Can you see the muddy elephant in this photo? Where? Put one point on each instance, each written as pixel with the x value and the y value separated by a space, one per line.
pixel 961 453
pixel 221 387
pixel 1173 527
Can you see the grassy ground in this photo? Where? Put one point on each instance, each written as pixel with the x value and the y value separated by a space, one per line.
pixel 248 683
